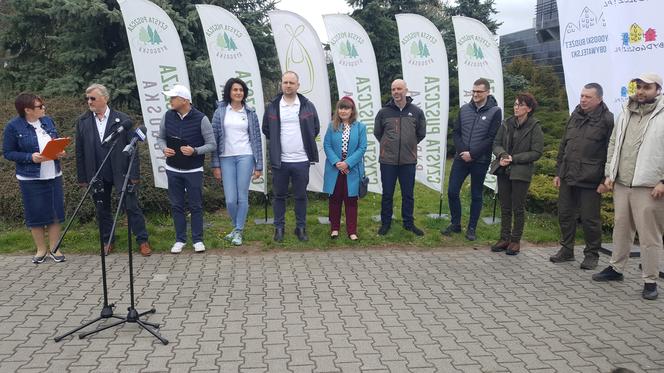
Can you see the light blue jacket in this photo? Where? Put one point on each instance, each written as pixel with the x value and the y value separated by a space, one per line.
pixel 357 145
pixel 253 129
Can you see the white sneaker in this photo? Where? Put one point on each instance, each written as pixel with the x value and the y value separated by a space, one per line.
pixel 199 247
pixel 177 247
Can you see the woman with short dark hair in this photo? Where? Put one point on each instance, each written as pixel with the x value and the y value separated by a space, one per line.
pixel 239 154
pixel 518 144
pixel 39 178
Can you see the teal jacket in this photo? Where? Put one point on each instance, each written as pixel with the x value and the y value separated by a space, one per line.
pixel 357 145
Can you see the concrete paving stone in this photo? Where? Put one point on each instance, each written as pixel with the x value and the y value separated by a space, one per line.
pixel 439 304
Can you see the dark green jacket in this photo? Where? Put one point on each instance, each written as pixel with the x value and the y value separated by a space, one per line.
pixel 582 151
pixel 524 144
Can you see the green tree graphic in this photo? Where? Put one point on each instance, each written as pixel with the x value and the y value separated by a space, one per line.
pixel 426 51
pixel 143 35
pixel 221 42
pixel 343 50
pixel 156 39
pixel 231 44
pixel 353 52
pixel 414 50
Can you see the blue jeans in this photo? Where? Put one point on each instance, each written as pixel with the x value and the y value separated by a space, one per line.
pixel 190 183
pixel 298 174
pixel 460 170
pixel 388 177
pixel 236 174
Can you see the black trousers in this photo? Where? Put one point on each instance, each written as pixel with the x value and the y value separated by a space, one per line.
pixel 105 213
pixel 574 202
pixel 512 195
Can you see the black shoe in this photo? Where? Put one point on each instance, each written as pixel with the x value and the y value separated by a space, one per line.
pixel 470 234
pixel 414 229
pixel 57 258
pixel 451 229
pixel 649 291
pixel 278 234
pixel 608 274
pixel 39 259
pixel 383 229
pixel 563 255
pixel 301 234
pixel 589 262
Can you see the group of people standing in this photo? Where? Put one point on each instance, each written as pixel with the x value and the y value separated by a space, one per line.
pixel 594 157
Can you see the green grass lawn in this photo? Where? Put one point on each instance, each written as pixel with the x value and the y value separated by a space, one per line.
pixel 83 238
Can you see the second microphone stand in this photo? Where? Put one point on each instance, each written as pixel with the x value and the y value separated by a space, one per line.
pixel 133 316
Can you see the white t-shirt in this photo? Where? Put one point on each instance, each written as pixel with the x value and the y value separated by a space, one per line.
pixel 101 123
pixel 292 146
pixel 236 133
pixel 47 169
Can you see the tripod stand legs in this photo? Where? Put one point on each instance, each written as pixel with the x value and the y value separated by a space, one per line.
pixel 132 317
pixel 106 313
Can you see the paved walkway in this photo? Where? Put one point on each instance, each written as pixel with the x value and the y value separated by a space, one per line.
pixel 337 311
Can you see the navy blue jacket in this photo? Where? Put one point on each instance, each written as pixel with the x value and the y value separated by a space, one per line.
pixel 20 142
pixel 475 129
pixel 309 126
pixel 189 130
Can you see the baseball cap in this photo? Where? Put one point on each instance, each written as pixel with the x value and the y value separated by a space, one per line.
pixel 178 90
pixel 650 78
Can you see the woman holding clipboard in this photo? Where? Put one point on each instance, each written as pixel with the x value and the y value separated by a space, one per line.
pixel 39 177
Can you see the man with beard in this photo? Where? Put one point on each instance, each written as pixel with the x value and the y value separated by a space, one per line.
pixel 635 172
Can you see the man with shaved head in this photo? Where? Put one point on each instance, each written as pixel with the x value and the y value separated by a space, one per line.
pixel 291 125
pixel 399 127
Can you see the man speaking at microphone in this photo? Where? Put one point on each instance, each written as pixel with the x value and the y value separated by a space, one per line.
pixel 96 130
pixel 185 136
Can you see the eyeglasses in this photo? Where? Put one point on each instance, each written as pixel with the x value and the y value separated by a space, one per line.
pixel 90 98
pixel 42 106
pixel 475 92
pixel 516 104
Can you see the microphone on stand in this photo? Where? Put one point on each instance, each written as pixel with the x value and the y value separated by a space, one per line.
pixel 125 125
pixel 139 135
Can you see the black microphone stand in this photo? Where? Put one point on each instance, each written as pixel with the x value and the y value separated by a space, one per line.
pixel 133 316
pixel 98 185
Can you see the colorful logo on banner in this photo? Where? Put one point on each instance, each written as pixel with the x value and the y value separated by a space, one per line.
pixel 298 59
pixel 346 46
pixel 146 34
pixel 226 39
pixel 473 45
pixel 628 90
pixel 639 39
pixel 418 52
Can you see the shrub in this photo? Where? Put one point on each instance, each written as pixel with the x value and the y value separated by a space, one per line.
pixel 64 111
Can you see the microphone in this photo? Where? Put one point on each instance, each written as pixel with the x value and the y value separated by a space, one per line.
pixel 125 125
pixel 139 135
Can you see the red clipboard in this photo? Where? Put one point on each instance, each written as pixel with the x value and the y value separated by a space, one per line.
pixel 54 147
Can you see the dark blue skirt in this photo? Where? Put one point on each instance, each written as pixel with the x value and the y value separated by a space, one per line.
pixel 43 201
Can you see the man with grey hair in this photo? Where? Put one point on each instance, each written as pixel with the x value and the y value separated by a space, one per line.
pixel 580 175
pixel 92 127
pixel 635 172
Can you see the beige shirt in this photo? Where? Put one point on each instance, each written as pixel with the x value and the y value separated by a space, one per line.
pixel 632 142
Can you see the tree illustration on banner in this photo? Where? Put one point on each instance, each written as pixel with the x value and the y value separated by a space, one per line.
pixel 149 36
